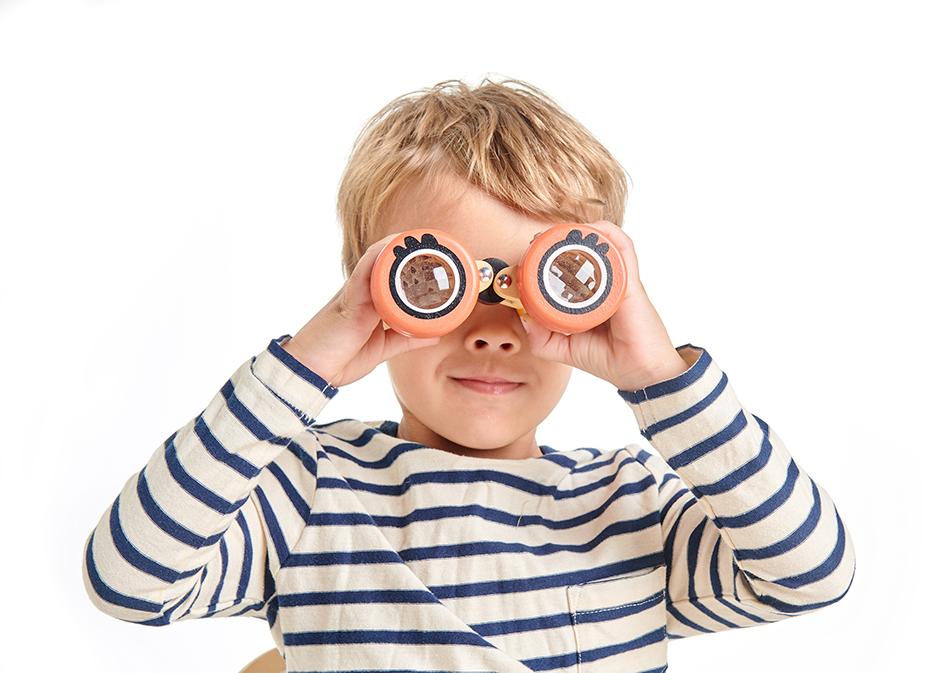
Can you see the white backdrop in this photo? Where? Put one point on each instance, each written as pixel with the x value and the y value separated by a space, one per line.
pixel 167 181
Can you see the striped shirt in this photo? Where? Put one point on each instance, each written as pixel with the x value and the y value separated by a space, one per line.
pixel 366 552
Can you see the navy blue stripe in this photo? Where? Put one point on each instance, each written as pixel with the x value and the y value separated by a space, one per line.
pixel 298 502
pixel 384 637
pixel 194 487
pixel 758 513
pixel 668 477
pixel 708 445
pixel 106 593
pixel 739 610
pixel 269 585
pixel 272 611
pixel 792 608
pixel 669 544
pixel 299 369
pixel 355 596
pixel 695 539
pixel 503 586
pixel 249 608
pixel 135 557
pixel 741 474
pixel 483 475
pixel 673 385
pixel 681 492
pixel 272 523
pixel 651 431
pixel 488 547
pixel 692 555
pixel 460 512
pixel 714 577
pixel 199 588
pixel 465 549
pixel 654 636
pixel 166 523
pixel 166 617
pixel 601 464
pixel 791 541
pixel 247 557
pixel 823 570
pixel 735 571
pixel 507 627
pixel 683 619
pixel 566 660
pixel 309 462
pixel 224 560
pixel 239 464
pixel 242 413
pixel 484 588
pixel 701 607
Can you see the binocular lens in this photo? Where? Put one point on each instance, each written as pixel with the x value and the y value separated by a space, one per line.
pixel 574 276
pixel 426 281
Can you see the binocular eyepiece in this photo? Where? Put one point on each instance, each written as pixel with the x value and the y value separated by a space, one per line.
pixel 425 283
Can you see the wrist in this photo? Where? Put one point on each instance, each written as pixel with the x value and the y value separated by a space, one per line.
pixel 294 347
pixel 660 371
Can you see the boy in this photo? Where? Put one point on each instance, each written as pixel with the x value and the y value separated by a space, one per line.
pixel 450 541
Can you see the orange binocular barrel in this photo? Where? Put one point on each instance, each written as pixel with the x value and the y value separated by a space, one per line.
pixel 571 278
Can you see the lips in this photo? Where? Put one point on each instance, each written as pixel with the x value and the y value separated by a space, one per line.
pixel 488 386
pixel 486 379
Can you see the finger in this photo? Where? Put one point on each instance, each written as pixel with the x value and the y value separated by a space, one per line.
pixel 357 291
pixel 546 343
pixel 615 234
pixel 370 255
pixel 624 245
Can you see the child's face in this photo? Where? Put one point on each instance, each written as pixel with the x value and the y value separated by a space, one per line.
pixel 438 411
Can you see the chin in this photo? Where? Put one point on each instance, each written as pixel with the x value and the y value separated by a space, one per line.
pixel 481 431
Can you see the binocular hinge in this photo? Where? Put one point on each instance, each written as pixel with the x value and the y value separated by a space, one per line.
pixel 495 278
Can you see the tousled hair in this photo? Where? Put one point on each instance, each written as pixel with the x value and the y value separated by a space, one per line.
pixel 508 138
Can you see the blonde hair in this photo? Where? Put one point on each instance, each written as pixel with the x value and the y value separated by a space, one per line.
pixel 508 138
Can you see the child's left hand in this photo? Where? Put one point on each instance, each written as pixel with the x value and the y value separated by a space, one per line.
pixel 632 349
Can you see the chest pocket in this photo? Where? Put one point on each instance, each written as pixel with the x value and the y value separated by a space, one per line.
pixel 620 622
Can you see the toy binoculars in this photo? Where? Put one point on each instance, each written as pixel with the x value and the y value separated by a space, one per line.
pixel 424 283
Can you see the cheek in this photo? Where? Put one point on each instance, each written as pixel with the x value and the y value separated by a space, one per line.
pixel 413 368
pixel 554 375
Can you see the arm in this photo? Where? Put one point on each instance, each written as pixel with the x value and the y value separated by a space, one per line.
pixel 190 534
pixel 749 537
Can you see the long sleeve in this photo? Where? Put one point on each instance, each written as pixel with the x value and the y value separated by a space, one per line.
pixel 749 538
pixel 192 533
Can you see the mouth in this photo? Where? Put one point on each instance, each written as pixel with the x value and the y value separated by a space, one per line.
pixel 491 387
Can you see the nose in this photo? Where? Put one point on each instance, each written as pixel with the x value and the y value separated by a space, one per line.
pixel 493 329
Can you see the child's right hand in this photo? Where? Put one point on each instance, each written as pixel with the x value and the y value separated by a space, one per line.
pixel 345 340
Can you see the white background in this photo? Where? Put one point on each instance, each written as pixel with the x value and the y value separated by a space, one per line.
pixel 167 181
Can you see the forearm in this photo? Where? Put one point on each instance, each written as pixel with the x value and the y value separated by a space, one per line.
pixel 177 521
pixel 780 527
